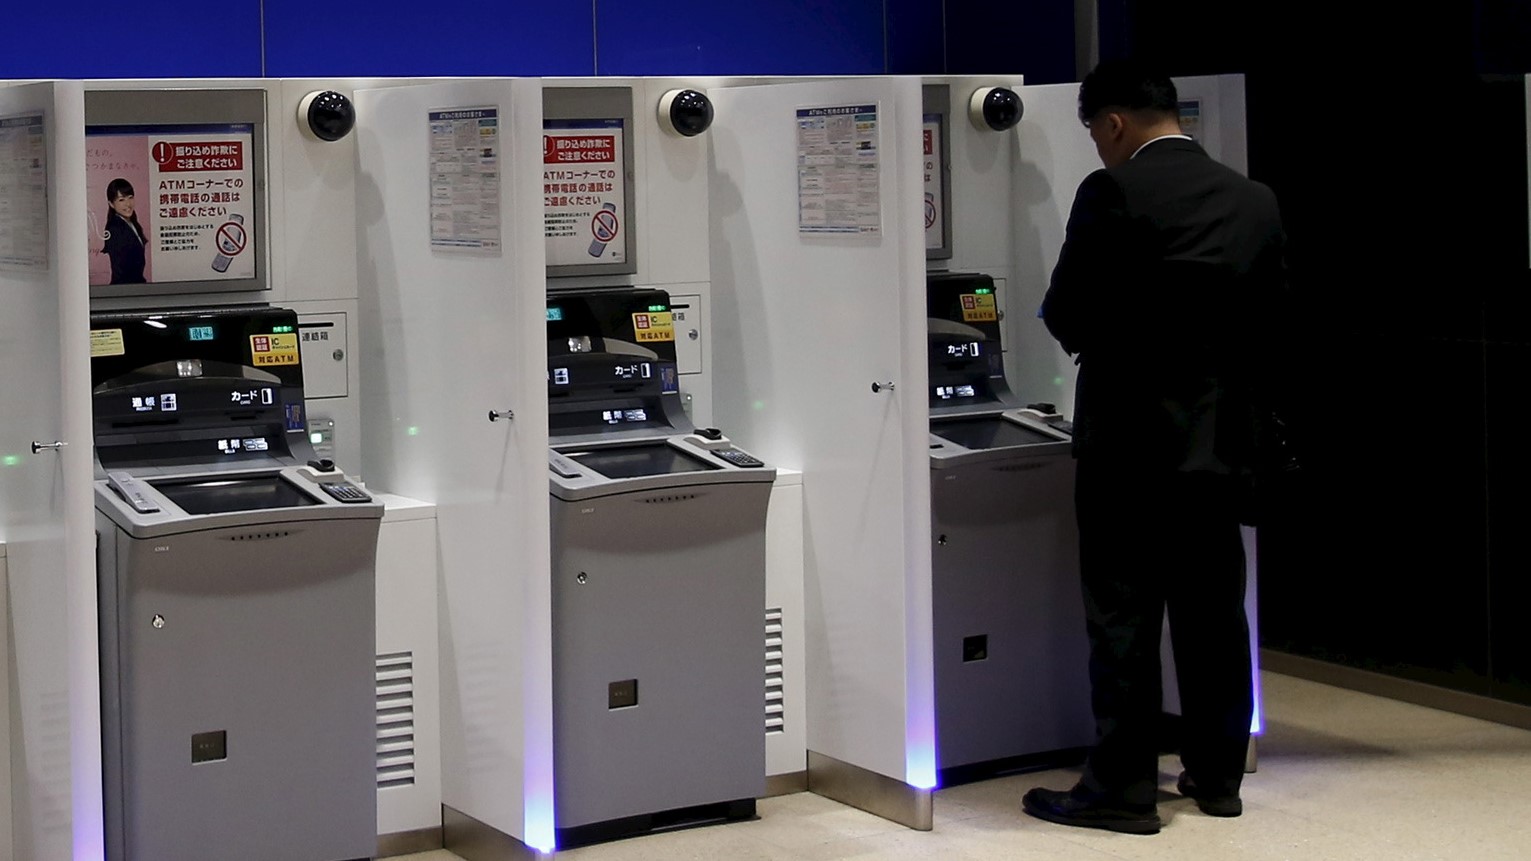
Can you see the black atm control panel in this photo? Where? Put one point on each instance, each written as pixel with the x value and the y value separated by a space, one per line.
pixel 963 335
pixel 611 361
pixel 196 386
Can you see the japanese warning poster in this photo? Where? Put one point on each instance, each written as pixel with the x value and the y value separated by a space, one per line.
pixel 837 170
pixel 465 178
pixel 170 203
pixel 583 194
pixel 23 192
pixel 935 199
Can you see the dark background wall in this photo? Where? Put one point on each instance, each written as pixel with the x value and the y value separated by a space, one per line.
pixel 1399 157
pixel 1396 143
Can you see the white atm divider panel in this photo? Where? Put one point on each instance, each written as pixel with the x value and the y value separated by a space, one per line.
pixel 803 328
pixel 449 337
pixel 409 671
pixel 7 844
pixel 46 508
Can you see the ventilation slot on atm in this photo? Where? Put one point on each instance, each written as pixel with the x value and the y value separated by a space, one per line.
pixel 679 497
pixel 1018 467
pixel 395 720
pixel 775 688
pixel 258 536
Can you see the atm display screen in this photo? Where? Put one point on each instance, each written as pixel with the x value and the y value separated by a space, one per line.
pixel 989 433
pixel 640 460
pixel 221 495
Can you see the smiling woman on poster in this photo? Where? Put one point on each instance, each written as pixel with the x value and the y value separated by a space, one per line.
pixel 124 239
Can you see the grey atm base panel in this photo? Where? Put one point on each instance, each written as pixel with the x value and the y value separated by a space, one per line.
pixel 658 657
pixel 1011 662
pixel 239 692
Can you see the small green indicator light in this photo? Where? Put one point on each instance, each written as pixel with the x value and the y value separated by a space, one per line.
pixel 760 405
pixel 413 431
pixel 11 460
pixel 983 291
pixel 1057 381
pixel 281 330
pixel 316 438
pixel 659 308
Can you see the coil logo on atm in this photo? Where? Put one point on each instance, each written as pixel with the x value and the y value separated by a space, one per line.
pixel 979 308
pixel 654 326
pixel 273 349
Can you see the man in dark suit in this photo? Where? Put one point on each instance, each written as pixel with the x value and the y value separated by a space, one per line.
pixel 1169 263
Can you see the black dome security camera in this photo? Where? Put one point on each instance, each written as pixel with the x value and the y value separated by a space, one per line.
pixel 326 115
pixel 996 108
pixel 686 113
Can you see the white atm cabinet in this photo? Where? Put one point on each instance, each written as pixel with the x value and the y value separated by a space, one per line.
pixel 786 658
pixel 323 349
pixel 408 680
pixel 6 849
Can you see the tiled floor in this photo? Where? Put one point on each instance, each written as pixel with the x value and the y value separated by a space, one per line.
pixel 1342 776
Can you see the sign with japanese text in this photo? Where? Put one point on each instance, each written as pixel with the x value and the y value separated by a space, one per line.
pixel 935 200
pixel 979 308
pixel 583 192
pixel 653 326
pixel 171 203
pixel 275 349
pixel 1190 118
pixel 838 188
pixel 465 178
pixel 23 192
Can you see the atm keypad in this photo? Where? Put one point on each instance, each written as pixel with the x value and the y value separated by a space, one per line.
pixel 344 492
pixel 738 458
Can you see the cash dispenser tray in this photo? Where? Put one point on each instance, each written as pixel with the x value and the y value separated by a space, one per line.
pixel 980 434
pixel 638 461
pixel 224 494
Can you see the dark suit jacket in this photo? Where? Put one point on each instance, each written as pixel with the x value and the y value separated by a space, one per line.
pixel 1166 289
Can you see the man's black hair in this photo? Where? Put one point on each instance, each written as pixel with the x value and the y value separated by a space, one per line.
pixel 1128 85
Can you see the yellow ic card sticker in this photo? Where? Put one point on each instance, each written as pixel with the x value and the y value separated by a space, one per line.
pixel 979 308
pixel 106 342
pixel 654 326
pixel 266 350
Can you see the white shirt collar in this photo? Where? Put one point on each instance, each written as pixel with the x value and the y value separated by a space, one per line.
pixel 1156 140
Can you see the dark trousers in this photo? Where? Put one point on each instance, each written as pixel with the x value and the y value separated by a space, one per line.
pixel 1150 540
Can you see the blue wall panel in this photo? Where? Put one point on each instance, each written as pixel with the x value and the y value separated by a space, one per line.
pixel 98 39
pixel 1034 38
pixel 436 37
pixel 781 37
pixel 915 44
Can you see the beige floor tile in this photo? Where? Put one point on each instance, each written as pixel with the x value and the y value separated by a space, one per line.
pixel 1343 777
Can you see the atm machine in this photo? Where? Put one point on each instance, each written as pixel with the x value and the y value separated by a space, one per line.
pixel 1011 653
pixel 658 560
pixel 236 598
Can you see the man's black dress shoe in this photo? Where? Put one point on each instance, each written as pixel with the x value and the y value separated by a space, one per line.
pixel 1066 808
pixel 1224 804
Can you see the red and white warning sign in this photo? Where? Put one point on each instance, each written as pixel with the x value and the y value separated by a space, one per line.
pixel 583 192
pixel 935 200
